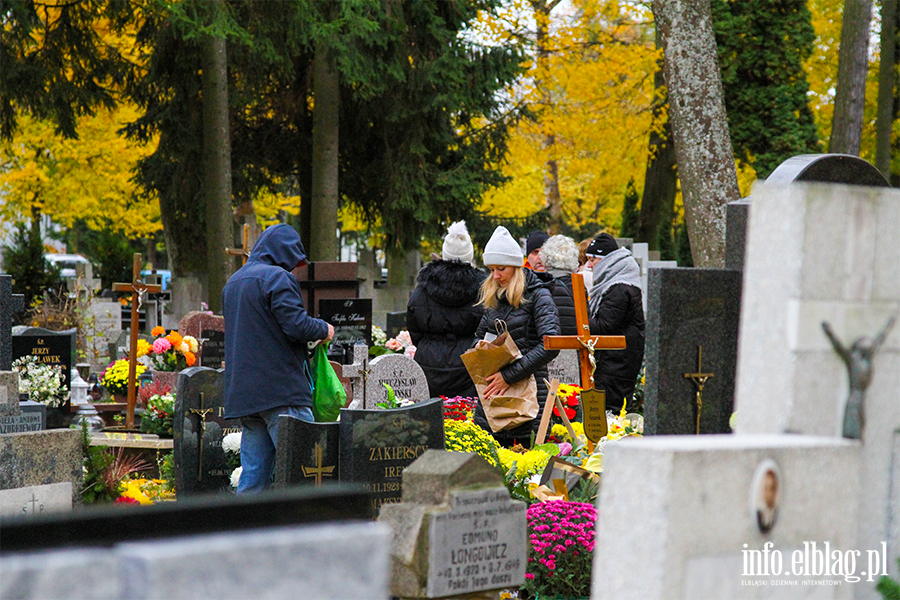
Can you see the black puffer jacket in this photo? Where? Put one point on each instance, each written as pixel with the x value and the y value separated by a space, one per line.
pixel 619 313
pixel 442 318
pixel 561 288
pixel 527 325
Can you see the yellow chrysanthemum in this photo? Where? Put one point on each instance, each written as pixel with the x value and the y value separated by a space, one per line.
pixel 193 345
pixel 143 347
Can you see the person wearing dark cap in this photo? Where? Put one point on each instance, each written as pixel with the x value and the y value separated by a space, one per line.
pixel 533 244
pixel 615 308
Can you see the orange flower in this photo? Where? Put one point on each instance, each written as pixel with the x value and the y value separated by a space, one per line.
pixel 158 331
pixel 175 339
pixel 190 359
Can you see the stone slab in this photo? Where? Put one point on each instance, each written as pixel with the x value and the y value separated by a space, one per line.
pixel 691 309
pixel 40 458
pixel 22 422
pixel 9 393
pixel 55 348
pixel 36 500
pixel 565 368
pixel 737 214
pixel 209 330
pixel 479 544
pixel 10 304
pixel 307 453
pixel 695 499
pixel 80 574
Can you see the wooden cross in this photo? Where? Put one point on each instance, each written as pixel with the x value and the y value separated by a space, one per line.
pixel 244 250
pixel 318 471
pixel 584 342
pixel 699 378
pixel 137 289
pixel 201 412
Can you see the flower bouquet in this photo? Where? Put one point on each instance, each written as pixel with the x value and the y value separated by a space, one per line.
pixel 561 544
pixel 402 344
pixel 158 418
pixel 43 383
pixel 115 377
pixel 172 352
pixel 466 436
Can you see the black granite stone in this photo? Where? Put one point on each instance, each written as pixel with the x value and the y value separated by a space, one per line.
pixel 828 168
pixel 213 350
pixel 10 304
pixel 199 427
pixel 737 215
pixel 687 309
pixel 51 347
pixel 376 445
pixel 351 318
pixel 308 453
pixel 107 526
pixel 395 323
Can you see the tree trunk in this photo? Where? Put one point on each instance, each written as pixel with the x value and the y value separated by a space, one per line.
pixel 885 120
pixel 216 167
pixel 853 63
pixel 660 178
pixel 326 109
pixel 697 109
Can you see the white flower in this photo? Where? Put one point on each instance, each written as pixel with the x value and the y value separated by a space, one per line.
pixel 379 337
pixel 232 442
pixel 404 338
pixel 236 476
pixel 410 352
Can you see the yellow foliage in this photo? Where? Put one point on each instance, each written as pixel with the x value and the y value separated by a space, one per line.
pixel 88 178
pixel 593 94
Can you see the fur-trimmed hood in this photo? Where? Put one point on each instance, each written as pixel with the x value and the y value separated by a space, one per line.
pixel 451 282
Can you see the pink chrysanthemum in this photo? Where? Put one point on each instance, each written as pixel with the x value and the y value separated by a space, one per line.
pixel 161 345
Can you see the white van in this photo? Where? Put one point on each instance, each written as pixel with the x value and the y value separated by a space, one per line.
pixel 66 262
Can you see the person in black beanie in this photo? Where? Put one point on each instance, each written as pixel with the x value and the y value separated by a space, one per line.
pixel 533 245
pixel 615 308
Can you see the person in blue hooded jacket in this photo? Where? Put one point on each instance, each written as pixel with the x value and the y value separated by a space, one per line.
pixel 266 355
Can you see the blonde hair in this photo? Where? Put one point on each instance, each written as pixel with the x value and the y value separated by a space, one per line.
pixel 514 291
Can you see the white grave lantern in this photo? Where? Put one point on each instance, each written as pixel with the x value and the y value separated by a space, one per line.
pixel 79 388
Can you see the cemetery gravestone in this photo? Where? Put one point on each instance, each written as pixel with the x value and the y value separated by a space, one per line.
pixel 106 326
pixel 307 453
pixel 9 393
pixel 456 531
pixel 39 458
pixel 36 500
pixel 691 328
pixel 565 368
pixel 10 304
pixel 402 373
pixel 55 348
pixel 325 280
pixel 199 427
pixel 209 330
pixel 352 321
pixel 395 322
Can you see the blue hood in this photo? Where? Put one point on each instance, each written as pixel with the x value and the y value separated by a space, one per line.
pixel 279 245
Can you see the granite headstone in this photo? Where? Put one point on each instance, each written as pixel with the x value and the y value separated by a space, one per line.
pixel 55 348
pixel 395 322
pixel 199 427
pixel 307 453
pixel 10 304
pixel 402 373
pixel 693 318
pixel 565 368
pixel 351 318
pixel 41 458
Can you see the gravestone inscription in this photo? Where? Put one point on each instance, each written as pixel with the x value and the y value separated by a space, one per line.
pixel 692 328
pixel 351 318
pixel 36 500
pixel 199 427
pixel 565 367
pixel 54 348
pixel 402 373
pixel 209 330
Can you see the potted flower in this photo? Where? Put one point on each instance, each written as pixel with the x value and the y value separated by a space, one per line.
pixel 115 378
pixel 158 417
pixel 170 353
pixel 44 384
pixel 561 549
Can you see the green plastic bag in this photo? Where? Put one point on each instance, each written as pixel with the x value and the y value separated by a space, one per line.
pixel 329 395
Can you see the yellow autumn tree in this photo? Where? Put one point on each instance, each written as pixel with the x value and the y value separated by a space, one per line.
pixel 590 88
pixel 88 178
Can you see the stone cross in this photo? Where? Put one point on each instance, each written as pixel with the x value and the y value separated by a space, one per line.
pixel 584 342
pixel 699 378
pixel 84 282
pixel 244 250
pixel 9 304
pixel 137 289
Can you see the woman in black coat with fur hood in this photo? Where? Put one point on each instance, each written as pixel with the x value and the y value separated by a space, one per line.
pixel 442 315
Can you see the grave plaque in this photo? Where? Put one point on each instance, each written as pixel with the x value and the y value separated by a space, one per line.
pixel 395 322
pixel 212 352
pixel 564 368
pixel 308 453
pixel 376 445
pixel 352 319
pixel 479 544
pixel 50 347
pixel 693 318
pixel 199 427
pixel 24 421
pixel 402 373
pixel 36 500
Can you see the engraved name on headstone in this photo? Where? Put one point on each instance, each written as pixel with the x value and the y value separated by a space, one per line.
pixel 402 373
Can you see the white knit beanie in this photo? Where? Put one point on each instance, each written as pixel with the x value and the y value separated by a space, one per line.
pixel 458 244
pixel 502 250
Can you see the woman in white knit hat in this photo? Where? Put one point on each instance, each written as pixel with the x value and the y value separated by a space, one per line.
pixel 517 297
pixel 442 315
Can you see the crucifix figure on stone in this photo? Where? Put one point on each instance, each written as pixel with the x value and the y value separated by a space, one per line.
pixel 244 250
pixel 699 378
pixel 137 288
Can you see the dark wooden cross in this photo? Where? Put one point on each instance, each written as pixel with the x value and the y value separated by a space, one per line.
pixel 584 342
pixel 137 289
pixel 201 413
pixel 318 471
pixel 699 378
pixel 244 250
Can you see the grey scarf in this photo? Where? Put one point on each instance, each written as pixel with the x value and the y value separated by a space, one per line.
pixel 614 268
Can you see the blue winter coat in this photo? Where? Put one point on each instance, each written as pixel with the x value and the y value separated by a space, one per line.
pixel 267 328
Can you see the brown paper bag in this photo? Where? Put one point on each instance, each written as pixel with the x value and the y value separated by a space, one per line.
pixel 519 404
